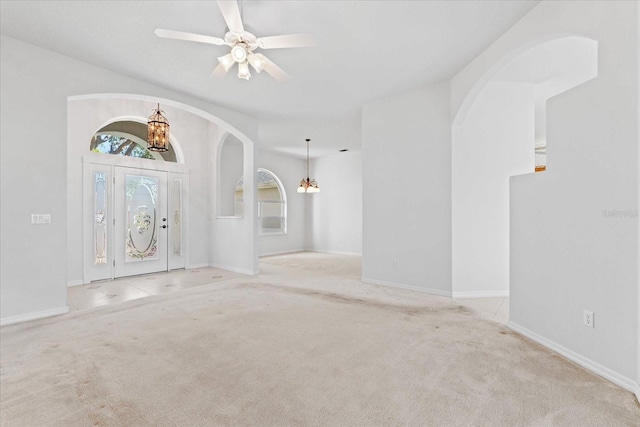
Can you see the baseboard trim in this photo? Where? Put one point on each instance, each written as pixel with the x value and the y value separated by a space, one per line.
pixel 33 316
pixel 235 269
pixel 480 294
pixel 407 287
pixel 193 266
pixel 71 283
pixel 588 364
pixel 335 252
pixel 294 251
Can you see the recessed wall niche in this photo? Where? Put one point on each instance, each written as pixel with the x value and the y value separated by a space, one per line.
pixel 230 170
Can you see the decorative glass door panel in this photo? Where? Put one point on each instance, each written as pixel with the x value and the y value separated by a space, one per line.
pixel 141 221
pixel 176 216
pixel 97 229
pixel 141 231
pixel 100 215
pixel 177 187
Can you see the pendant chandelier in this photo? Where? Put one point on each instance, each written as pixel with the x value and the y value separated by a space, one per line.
pixel 307 185
pixel 158 131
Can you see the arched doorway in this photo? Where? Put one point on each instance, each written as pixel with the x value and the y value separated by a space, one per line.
pixel 133 204
pixel 499 132
pixel 199 134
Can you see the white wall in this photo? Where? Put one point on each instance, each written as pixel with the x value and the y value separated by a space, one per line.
pixel 35 84
pixel 566 255
pixel 290 171
pixel 406 141
pixel 337 209
pixel 495 142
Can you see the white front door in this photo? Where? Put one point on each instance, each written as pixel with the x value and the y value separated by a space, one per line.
pixel 135 220
pixel 141 223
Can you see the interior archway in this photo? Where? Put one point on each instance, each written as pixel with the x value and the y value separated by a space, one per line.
pixel 272 204
pixel 497 133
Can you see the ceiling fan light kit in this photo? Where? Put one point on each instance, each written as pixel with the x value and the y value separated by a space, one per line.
pixel 243 44
pixel 226 61
pixel 256 62
pixel 243 71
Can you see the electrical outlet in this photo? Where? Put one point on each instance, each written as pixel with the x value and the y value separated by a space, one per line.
pixel 396 263
pixel 587 318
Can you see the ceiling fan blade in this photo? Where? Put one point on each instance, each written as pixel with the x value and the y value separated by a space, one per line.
pixel 272 69
pixel 288 40
pixel 231 15
pixel 219 71
pixel 190 37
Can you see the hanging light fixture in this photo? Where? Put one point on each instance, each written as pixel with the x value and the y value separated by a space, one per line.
pixel 158 131
pixel 307 185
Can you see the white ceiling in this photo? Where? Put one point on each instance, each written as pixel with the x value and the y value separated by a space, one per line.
pixel 365 50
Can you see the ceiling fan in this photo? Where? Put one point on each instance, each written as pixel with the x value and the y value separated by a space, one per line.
pixel 243 44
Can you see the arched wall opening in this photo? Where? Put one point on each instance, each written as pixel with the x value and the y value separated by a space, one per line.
pixel 271 195
pixel 498 132
pixel 235 223
pixel 198 133
pixel 272 204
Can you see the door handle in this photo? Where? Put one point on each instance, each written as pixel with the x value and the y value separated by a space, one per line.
pixel 163 226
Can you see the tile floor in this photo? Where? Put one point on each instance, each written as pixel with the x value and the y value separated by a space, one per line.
pixel 115 291
pixel 496 309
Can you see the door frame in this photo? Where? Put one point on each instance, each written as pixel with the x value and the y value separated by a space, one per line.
pixel 108 163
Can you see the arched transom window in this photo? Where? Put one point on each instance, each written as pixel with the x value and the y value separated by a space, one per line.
pixel 127 138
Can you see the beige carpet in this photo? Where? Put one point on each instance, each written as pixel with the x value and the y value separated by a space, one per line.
pixel 293 346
